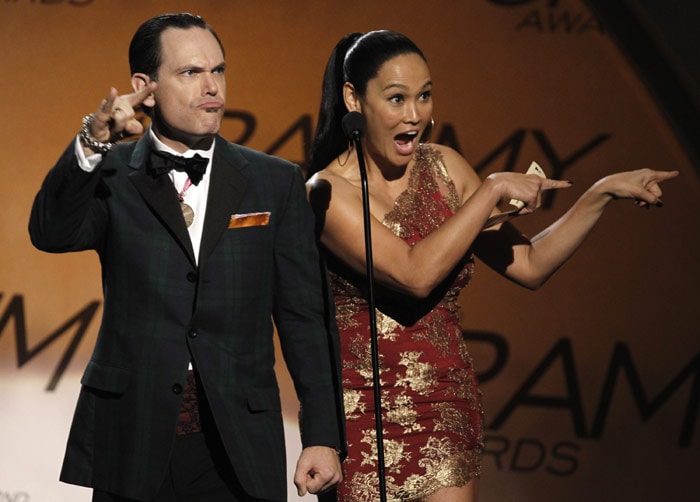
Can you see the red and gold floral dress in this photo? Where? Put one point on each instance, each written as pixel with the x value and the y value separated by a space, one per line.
pixel 431 403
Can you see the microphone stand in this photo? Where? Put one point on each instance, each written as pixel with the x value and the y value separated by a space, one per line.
pixel 355 135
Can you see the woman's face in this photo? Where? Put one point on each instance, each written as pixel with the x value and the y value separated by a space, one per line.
pixel 397 107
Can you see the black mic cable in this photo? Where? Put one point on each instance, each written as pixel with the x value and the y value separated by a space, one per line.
pixel 354 128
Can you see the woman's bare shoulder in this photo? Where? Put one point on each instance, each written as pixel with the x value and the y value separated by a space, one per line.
pixel 328 177
pixel 330 185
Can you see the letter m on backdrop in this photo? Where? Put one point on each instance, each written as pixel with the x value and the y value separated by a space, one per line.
pixel 78 325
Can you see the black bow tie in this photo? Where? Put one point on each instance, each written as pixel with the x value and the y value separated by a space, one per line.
pixel 164 162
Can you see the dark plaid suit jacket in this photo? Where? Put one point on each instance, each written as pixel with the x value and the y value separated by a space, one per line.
pixel 161 310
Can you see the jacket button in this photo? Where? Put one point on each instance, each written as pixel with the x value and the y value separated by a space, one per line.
pixel 177 388
pixel 192 333
pixel 192 276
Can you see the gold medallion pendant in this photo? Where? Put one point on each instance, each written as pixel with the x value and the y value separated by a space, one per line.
pixel 187 213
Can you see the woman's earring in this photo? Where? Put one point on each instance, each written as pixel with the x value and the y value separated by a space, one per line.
pixel 351 146
pixel 425 137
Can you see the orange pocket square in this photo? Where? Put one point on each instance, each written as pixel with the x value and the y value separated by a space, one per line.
pixel 249 220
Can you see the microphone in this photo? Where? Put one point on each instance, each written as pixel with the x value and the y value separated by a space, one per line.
pixel 354 125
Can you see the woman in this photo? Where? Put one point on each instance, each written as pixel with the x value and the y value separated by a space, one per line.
pixel 428 216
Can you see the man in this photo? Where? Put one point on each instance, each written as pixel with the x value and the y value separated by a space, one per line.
pixel 179 400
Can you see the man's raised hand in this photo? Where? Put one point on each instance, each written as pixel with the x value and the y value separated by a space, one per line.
pixel 116 115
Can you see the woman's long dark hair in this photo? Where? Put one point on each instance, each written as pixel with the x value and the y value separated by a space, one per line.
pixel 357 59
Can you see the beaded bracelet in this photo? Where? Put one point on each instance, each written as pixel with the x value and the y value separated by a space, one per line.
pixel 88 141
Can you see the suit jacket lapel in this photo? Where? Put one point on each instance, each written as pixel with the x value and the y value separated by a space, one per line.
pixel 160 195
pixel 226 189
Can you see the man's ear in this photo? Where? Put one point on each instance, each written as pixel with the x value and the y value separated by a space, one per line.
pixel 352 100
pixel 138 82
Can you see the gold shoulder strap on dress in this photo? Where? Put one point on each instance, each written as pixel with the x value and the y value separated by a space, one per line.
pixel 437 163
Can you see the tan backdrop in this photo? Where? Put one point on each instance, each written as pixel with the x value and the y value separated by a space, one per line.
pixel 591 385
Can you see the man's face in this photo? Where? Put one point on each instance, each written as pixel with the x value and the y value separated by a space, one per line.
pixel 191 93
